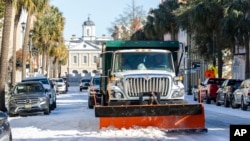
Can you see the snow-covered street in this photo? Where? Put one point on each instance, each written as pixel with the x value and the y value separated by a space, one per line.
pixel 73 121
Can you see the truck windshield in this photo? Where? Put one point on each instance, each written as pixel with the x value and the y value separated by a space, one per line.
pixel 125 61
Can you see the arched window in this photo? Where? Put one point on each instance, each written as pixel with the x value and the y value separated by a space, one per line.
pixel 75 71
pixel 84 71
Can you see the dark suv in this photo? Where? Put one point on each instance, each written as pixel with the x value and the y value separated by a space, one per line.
pixel 48 85
pixel 29 97
pixel 225 92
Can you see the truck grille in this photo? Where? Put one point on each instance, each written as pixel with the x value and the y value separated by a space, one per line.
pixel 137 85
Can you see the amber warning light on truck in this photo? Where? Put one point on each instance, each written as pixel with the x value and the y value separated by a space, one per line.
pixel 239 132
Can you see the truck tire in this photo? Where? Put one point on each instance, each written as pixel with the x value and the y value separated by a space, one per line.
pixel 103 100
pixel 90 103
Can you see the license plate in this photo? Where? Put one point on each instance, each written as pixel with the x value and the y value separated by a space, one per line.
pixel 27 106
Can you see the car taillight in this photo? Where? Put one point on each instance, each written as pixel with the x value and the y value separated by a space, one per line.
pixel 248 93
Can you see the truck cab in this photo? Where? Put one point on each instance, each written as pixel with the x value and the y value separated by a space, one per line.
pixel 131 75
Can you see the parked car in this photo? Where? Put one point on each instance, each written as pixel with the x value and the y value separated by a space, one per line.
pixel 195 92
pixel 48 85
pixel 84 83
pixel 241 96
pixel 59 84
pixel 5 132
pixel 225 92
pixel 28 97
pixel 208 89
pixel 94 94
pixel 66 83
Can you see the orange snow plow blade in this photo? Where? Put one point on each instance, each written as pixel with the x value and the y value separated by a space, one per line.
pixel 173 117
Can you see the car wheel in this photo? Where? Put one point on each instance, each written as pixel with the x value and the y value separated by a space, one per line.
pixel 208 99
pixel 54 104
pixel 243 105
pixel 11 115
pixel 233 103
pixel 226 101
pixel 195 99
pixel 218 100
pixel 47 111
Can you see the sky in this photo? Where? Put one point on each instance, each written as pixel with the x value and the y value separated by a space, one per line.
pixel 73 121
pixel 101 12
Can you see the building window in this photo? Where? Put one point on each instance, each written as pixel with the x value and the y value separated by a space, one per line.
pixel 84 61
pixel 88 32
pixel 74 59
pixel 94 59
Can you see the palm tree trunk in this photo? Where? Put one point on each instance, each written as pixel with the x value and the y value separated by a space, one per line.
pixel 4 51
pixel 247 75
pixel 25 46
pixel 16 20
pixel 43 61
pixel 47 65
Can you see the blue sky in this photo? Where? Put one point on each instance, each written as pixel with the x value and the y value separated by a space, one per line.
pixel 102 13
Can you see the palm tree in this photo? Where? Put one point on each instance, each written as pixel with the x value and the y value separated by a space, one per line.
pixel 205 18
pixel 32 7
pixel 161 21
pixel 48 34
pixel 241 10
pixel 4 51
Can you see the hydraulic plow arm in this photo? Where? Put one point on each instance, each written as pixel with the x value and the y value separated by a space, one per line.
pixel 173 117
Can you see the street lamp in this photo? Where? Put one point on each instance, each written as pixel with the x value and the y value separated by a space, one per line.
pixel 68 62
pixel 30 48
pixel 23 24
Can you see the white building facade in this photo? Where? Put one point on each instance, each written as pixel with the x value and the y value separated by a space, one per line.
pixel 83 53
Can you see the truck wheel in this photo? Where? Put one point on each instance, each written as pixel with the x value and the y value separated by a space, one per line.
pixel 90 103
pixel 103 100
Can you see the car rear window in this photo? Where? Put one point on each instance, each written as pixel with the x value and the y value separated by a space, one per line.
pixel 216 81
pixel 96 81
pixel 85 80
pixel 44 81
pixel 234 82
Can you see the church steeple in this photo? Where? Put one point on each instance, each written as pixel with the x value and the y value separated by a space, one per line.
pixel 88 30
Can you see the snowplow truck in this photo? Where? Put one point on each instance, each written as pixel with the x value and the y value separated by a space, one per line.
pixel 137 90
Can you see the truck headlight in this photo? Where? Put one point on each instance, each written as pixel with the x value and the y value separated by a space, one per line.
pixel 118 95
pixel 177 94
